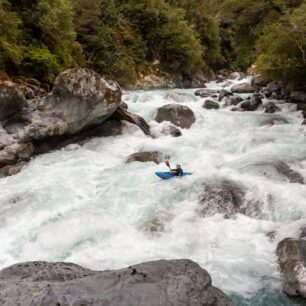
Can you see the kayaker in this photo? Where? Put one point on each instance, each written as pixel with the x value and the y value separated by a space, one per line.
pixel 178 171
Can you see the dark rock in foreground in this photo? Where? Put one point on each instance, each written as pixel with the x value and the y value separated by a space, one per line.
pixel 292 260
pixel 146 156
pixel 158 283
pixel 209 104
pixel 179 115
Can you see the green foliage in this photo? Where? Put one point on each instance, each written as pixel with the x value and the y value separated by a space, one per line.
pixel 10 52
pixel 121 39
pixel 42 63
pixel 282 48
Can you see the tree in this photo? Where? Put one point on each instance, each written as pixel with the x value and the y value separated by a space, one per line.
pixel 10 51
pixel 282 48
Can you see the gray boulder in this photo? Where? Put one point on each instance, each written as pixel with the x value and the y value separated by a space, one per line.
pixel 292 260
pixel 221 197
pixel 82 98
pixel 157 283
pixel 146 156
pixel 251 104
pixel 224 93
pixel 259 81
pixel 243 88
pixel 11 99
pixel 226 197
pixel 205 93
pixel 232 100
pixel 179 115
pixel 209 104
pixel 271 108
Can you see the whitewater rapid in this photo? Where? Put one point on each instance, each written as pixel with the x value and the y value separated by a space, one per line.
pixel 86 206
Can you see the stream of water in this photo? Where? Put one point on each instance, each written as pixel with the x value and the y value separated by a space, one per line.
pixel 86 206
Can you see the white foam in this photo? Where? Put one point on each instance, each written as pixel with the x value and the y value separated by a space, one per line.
pixel 88 207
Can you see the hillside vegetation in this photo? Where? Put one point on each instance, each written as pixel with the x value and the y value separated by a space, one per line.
pixel 121 39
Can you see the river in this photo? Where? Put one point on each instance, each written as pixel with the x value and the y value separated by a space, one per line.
pixel 86 206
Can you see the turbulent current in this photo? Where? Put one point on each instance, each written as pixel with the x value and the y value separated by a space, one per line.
pixel 88 207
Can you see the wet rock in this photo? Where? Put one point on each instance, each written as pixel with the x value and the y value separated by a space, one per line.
pixel 16 123
pixel 146 156
pixel 154 227
pixel 179 115
pixel 234 75
pixel 290 174
pixel 274 170
pixel 243 88
pixel 209 104
pixel 123 105
pixel 232 100
pixel 82 98
pixel 205 93
pixel 302 233
pixel 12 169
pixel 224 93
pixel 11 99
pixel 298 96
pixel 292 260
pixel 157 283
pixel 259 81
pixel 15 153
pixel 267 92
pixel 170 129
pixel 252 104
pixel 110 128
pixel 271 108
pixel 271 235
pixel 221 197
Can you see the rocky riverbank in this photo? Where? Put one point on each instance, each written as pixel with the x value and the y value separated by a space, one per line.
pixel 158 283
pixel 33 121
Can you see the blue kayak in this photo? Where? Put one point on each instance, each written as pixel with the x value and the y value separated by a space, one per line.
pixel 169 176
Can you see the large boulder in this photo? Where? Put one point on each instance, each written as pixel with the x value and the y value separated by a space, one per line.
pixel 243 88
pixel 271 108
pixel 179 115
pixel 227 197
pixel 157 283
pixel 292 260
pixel 82 98
pixel 221 197
pixel 209 104
pixel 251 104
pixel 259 81
pixel 146 156
pixel 224 93
pixel 11 99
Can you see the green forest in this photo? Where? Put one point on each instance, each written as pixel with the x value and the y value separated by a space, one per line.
pixel 122 38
